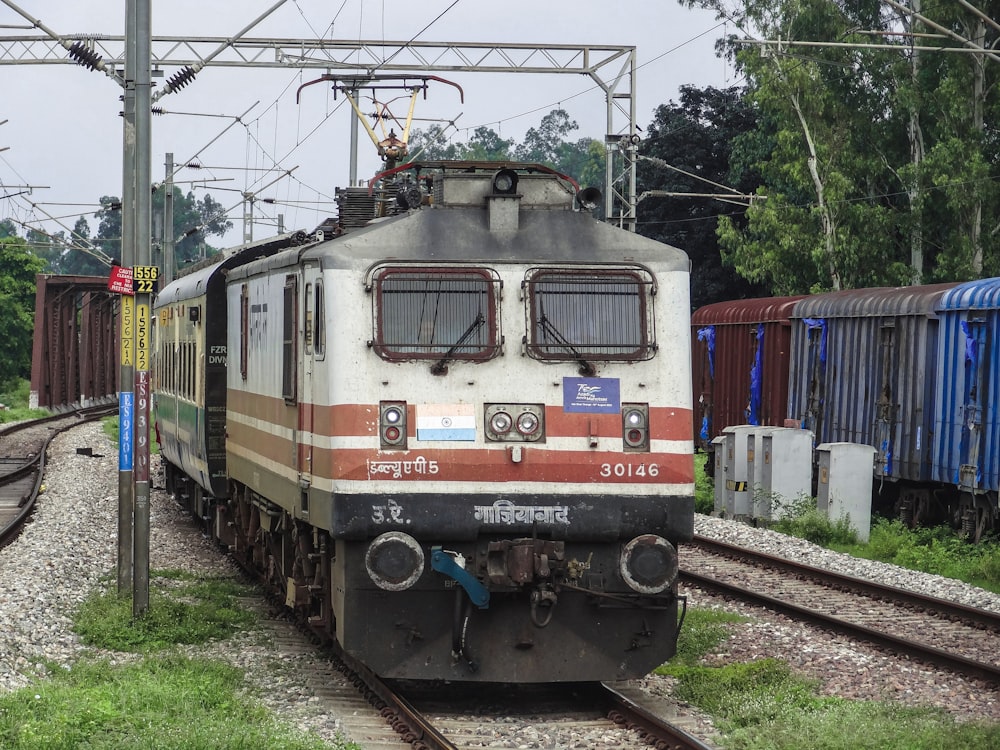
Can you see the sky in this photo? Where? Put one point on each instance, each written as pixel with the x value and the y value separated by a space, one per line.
pixel 63 133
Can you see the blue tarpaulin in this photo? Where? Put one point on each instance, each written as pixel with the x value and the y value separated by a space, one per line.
pixel 821 324
pixel 753 408
pixel 707 334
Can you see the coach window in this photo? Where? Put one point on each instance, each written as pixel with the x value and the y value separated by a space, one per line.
pixel 289 371
pixel 589 314
pixel 441 314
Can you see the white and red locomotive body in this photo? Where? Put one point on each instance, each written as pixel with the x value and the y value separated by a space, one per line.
pixel 460 439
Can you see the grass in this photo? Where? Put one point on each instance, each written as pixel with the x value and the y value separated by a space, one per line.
pixel 182 610
pixel 939 550
pixel 161 700
pixel 763 705
pixel 109 426
pixel 15 396
pixel 166 701
pixel 932 550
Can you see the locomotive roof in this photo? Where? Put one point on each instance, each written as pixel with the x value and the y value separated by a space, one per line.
pixel 461 235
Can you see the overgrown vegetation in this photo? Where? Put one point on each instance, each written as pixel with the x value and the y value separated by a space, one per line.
pixel 932 550
pixel 763 705
pixel 14 395
pixel 162 700
pixel 166 701
pixel 110 425
pixel 704 486
pixel 182 609
pixel 939 550
pixel 801 518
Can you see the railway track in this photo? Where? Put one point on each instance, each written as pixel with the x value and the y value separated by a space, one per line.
pixel 22 463
pixel 393 715
pixel 935 631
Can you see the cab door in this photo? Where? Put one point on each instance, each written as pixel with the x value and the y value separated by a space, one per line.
pixel 313 348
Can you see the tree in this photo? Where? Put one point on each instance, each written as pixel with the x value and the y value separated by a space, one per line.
pixel 583 160
pixel 18 267
pixel 82 256
pixel 688 149
pixel 882 167
pixel 193 221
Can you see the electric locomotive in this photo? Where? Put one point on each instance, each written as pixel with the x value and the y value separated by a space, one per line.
pixel 457 439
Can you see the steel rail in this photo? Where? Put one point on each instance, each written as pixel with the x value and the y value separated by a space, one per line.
pixel 922 652
pixel 982 617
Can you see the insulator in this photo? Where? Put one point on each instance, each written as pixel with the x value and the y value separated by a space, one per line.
pixel 156 110
pixel 181 79
pixel 84 55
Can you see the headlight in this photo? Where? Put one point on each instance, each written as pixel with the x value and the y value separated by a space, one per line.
pixel 394 561
pixel 501 423
pixel 527 423
pixel 649 564
pixel 515 423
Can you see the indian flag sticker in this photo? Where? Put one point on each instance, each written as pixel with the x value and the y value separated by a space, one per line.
pixel 446 422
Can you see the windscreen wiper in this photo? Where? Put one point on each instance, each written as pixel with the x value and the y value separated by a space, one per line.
pixel 441 366
pixel 586 369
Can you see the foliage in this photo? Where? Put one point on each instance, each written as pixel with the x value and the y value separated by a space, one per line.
pixel 763 705
pixel 194 221
pixel 875 166
pixel 690 148
pixel 704 486
pixel 701 632
pixel 933 550
pixel 110 426
pixel 546 144
pixel 163 702
pixel 181 610
pixel 802 519
pixel 14 395
pixel 18 267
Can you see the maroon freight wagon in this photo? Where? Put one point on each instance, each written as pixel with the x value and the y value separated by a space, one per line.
pixel 739 364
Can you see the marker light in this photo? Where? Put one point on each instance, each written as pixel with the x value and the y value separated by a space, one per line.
pixel 635 427
pixel 392 424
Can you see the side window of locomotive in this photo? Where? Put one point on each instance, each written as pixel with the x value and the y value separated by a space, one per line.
pixel 589 314
pixel 307 323
pixel 244 329
pixel 319 322
pixel 436 313
pixel 289 327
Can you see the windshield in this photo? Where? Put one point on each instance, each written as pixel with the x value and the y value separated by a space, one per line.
pixel 435 314
pixel 589 314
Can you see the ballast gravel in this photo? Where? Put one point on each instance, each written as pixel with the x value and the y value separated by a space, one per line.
pixel 71 544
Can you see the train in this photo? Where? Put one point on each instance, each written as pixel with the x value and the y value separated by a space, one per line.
pixel 910 371
pixel 455 439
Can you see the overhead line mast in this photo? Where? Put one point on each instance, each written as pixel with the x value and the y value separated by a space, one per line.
pixel 612 68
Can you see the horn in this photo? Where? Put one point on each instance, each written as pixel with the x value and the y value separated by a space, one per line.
pixel 588 198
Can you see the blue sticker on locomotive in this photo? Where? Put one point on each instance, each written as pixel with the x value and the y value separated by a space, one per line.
pixel 126 415
pixel 592 395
